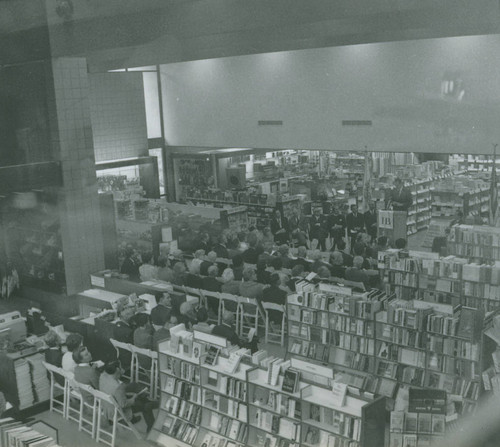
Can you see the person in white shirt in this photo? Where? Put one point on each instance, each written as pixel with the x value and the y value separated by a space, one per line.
pixel 73 342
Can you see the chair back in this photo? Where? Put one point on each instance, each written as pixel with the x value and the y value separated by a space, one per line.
pixel 273 306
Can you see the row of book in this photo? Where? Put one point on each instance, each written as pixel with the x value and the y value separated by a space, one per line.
pixel 313 350
pixel 181 388
pixel 338 422
pixel 277 402
pixel 182 369
pixel 356 343
pixel 222 404
pixel 315 436
pixel 481 290
pixel 190 412
pixel 262 439
pixel 276 424
pixel 407 279
pixel 213 440
pixel 351 325
pixel 402 336
pixel 179 429
pixel 228 427
pixel 407 422
pixel 226 385
pixel 16 434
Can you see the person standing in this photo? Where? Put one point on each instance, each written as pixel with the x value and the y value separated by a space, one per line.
pixel 401 198
pixel 318 228
pixel 337 226
pixel 370 218
pixel 280 228
pixel 355 224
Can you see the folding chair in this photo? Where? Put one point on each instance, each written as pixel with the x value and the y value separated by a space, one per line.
pixel 57 397
pixel 273 308
pixel 87 421
pixel 128 348
pixel 232 303
pixel 146 376
pixel 249 315
pixel 211 301
pixel 107 404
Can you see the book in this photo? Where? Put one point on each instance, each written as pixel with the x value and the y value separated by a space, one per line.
pixel 290 381
pixel 424 423
pixel 212 355
pixel 411 422
pixel 339 391
pixel 409 440
pixel 397 421
pixel 232 363
pixel 438 423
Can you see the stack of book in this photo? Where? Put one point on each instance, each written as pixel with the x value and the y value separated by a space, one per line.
pixel 23 379
pixel 16 434
pixel 39 377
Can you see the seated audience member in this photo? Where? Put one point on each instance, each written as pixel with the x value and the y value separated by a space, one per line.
pixel 210 282
pixel 179 274
pixel 341 246
pixel 263 275
pixel 230 285
pixel 143 336
pixel 301 258
pixel 356 272
pixel 73 342
pixel 165 273
pixel 123 330
pixel 324 273
pixel 211 260
pixel 220 247
pixel 188 314
pixel 202 325
pixel 85 372
pixel 251 254
pixel 250 288
pixel 110 383
pixel 382 244
pixel 199 257
pixel 53 355
pixel 238 267
pixel 232 247
pixel 337 269
pixel 160 314
pixel 148 271
pixel 359 249
pixel 267 236
pixel 317 261
pixel 162 333
pixel 242 241
pixel 273 293
pixel 298 274
pixel 193 278
pixel 284 254
pixel 226 329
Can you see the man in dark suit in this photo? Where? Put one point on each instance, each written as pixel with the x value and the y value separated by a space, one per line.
pixel 301 259
pixel 370 217
pixel 280 228
pixel 355 224
pixel 226 329
pixel 163 310
pixel 336 225
pixel 318 228
pixel 401 198
pixel 273 294
pixel 220 247
pixel 210 282
pixel 251 254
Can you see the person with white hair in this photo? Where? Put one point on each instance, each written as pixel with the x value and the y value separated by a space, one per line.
pixel 356 272
pixel 210 260
pixel 226 329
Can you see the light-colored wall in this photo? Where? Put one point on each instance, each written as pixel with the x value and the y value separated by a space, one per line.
pixel 397 85
pixel 118 115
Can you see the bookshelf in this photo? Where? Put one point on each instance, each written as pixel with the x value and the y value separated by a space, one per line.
pixel 476 242
pixel 379 342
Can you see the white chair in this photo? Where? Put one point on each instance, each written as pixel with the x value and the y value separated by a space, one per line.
pixel 128 348
pixel 250 313
pixel 232 303
pixel 87 421
pixel 145 376
pixel 208 296
pixel 106 428
pixel 57 391
pixel 280 335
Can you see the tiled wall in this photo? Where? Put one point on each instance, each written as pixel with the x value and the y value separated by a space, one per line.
pixel 79 205
pixel 118 115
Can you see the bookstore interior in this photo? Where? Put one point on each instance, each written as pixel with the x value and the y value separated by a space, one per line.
pixel 186 260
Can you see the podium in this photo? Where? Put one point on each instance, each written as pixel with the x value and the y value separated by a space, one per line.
pixel 392 224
